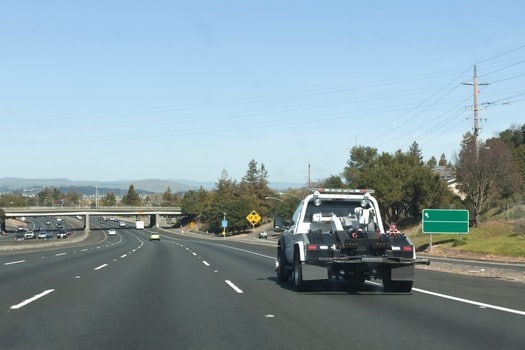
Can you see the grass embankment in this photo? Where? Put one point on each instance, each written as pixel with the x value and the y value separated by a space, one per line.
pixel 498 238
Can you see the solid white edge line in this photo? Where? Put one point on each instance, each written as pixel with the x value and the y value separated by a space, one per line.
pixel 100 267
pixel 60 254
pixel 30 300
pixel 472 302
pixel 233 286
pixel 462 300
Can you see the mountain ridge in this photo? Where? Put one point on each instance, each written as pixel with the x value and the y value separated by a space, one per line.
pixel 9 184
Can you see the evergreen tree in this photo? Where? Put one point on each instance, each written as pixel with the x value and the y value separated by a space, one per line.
pixel 442 160
pixel 404 185
pixel 432 162
pixel 131 198
pixel 109 200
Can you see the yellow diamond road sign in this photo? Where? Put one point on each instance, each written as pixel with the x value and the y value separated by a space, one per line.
pixel 253 217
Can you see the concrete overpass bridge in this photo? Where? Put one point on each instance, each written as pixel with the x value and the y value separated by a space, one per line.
pixel 154 213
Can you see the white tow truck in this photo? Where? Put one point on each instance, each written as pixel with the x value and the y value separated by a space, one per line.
pixel 339 235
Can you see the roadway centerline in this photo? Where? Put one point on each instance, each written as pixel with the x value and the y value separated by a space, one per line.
pixel 30 300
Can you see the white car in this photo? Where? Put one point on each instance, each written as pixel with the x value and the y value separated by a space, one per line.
pixel 112 232
pixel 29 235
pixel 122 224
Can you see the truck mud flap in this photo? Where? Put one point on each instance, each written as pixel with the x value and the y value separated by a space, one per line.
pixel 402 273
pixel 313 272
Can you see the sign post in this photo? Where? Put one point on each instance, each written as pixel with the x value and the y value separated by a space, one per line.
pixel 445 221
pixel 224 224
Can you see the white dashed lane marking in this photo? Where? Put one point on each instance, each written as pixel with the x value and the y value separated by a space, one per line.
pixel 233 286
pixel 100 267
pixel 32 299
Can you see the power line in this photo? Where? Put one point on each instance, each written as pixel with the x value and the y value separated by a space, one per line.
pixel 501 54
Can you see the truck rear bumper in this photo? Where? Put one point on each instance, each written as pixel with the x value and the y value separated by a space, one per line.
pixel 374 260
pixel 396 272
pixel 398 269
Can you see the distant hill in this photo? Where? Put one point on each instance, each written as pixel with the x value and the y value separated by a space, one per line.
pixel 10 184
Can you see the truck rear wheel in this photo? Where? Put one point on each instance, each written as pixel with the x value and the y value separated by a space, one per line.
pixel 298 282
pixel 283 274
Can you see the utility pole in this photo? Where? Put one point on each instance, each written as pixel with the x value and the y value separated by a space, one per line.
pixel 476 85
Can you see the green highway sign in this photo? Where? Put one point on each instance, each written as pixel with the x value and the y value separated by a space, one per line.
pixel 445 221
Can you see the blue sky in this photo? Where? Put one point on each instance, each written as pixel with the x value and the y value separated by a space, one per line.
pixel 113 90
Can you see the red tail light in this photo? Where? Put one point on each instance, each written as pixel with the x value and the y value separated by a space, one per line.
pixel 311 247
pixel 407 248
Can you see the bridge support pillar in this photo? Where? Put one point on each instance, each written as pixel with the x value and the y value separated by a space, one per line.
pixel 86 223
pixel 154 220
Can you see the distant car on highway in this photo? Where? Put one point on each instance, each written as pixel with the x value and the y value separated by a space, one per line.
pixel 112 232
pixel 62 234
pixel 263 234
pixel 19 237
pixel 122 224
pixel 29 235
pixel 154 236
pixel 42 235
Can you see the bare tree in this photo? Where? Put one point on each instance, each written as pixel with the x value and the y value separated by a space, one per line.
pixel 486 173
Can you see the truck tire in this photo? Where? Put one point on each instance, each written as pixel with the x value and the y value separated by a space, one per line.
pixel 390 286
pixel 283 274
pixel 298 282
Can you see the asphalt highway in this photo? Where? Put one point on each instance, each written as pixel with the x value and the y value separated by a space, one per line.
pixel 125 292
